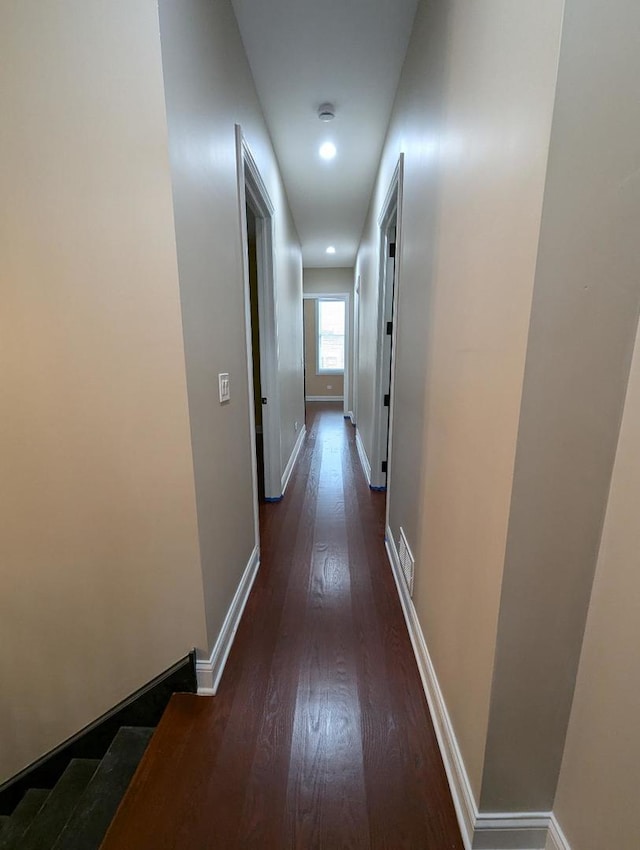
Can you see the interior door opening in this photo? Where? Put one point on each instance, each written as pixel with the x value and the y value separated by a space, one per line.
pixel 325 321
pixel 252 258
pixel 387 342
pixel 261 328
pixel 389 263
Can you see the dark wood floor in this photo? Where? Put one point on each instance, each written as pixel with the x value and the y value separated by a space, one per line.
pixel 320 735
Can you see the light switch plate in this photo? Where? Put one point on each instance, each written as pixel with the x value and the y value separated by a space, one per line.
pixel 223 387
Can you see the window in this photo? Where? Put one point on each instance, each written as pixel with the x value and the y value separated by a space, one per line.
pixel 330 323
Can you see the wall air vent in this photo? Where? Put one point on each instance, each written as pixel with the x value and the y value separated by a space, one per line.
pixel 407 561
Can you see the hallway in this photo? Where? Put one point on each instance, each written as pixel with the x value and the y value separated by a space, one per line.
pixel 319 736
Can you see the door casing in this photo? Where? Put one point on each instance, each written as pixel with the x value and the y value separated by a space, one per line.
pixel 390 218
pixel 253 193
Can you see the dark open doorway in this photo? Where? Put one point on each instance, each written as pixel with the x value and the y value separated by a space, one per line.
pixel 252 257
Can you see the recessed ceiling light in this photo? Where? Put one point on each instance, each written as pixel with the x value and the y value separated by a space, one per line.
pixel 331 250
pixel 327 150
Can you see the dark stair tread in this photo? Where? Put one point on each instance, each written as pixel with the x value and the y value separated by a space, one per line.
pixel 18 823
pixel 97 806
pixel 3 820
pixel 59 806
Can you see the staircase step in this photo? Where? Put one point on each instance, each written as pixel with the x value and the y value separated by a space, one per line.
pixel 97 806
pixel 20 821
pixel 53 816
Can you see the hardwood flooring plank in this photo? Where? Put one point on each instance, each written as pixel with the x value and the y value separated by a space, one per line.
pixel 264 778
pixel 326 799
pixel 428 816
pixel 319 737
pixel 388 789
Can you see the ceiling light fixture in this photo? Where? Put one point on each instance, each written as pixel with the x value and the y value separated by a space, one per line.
pixel 326 112
pixel 327 150
pixel 331 250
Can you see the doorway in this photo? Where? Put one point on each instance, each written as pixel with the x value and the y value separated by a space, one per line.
pixel 252 259
pixel 387 342
pixel 256 215
pixel 389 224
pixel 355 353
pixel 326 326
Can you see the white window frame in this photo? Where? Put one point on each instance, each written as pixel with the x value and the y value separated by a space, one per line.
pixel 343 299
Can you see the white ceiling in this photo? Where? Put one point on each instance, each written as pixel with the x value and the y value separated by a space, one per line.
pixel 350 53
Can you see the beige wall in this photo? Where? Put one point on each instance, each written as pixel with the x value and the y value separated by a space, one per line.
pixel 316 385
pixel 583 323
pixel 327 281
pixel 473 118
pixel 101 586
pixel 516 323
pixel 597 797
pixel 208 90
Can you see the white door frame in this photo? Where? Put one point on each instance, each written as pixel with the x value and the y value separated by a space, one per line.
pixel 391 207
pixel 356 350
pixel 346 297
pixel 252 192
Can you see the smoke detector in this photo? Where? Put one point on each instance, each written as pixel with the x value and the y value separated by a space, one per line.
pixel 326 112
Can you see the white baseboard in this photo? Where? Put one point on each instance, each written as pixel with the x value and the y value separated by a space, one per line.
pixel 480 831
pixel 511 831
pixel 461 792
pixel 324 398
pixel 350 415
pixel 364 460
pixel 556 839
pixel 286 475
pixel 209 671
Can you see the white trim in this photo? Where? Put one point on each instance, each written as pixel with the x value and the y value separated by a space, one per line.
pixel 480 831
pixel 324 398
pixel 209 671
pixel 556 839
pixel 350 415
pixel 286 475
pixel 511 831
pixel 364 460
pixel 461 792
